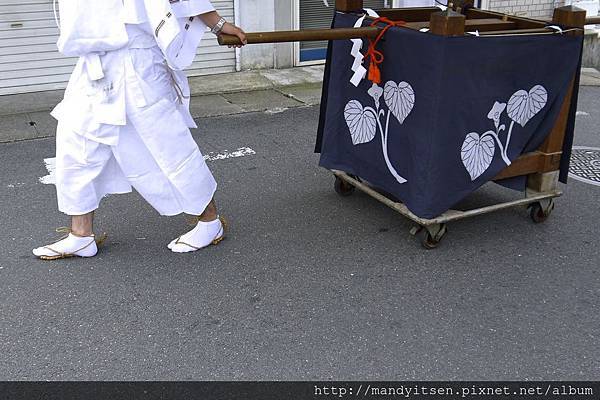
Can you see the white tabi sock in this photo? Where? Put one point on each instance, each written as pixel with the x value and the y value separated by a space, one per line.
pixel 203 235
pixel 71 246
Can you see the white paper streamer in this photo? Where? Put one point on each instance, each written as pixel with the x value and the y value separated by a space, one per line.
pixel 359 71
pixel 556 28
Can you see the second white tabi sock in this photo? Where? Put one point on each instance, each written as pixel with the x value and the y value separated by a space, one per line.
pixel 204 234
pixel 71 246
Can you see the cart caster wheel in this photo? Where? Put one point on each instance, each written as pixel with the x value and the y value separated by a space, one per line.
pixel 343 188
pixel 415 230
pixel 540 211
pixel 433 235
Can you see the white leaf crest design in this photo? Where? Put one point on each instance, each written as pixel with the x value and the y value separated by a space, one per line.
pixel 400 99
pixel 477 154
pixel 496 112
pixel 361 122
pixel 375 92
pixel 523 106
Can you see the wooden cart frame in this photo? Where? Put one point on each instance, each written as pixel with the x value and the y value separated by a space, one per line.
pixel 541 167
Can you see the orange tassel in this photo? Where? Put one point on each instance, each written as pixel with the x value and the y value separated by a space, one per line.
pixel 374 73
pixel 376 56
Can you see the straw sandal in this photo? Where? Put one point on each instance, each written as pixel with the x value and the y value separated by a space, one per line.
pixel 218 238
pixel 58 255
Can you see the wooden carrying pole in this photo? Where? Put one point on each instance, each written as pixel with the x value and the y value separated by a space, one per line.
pixel 304 35
pixel 592 21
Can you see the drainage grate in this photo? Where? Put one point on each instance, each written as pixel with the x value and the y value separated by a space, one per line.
pixel 585 165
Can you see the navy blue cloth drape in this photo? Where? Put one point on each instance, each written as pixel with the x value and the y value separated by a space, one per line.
pixel 449 114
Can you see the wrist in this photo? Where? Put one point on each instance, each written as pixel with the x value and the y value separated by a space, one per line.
pixel 218 28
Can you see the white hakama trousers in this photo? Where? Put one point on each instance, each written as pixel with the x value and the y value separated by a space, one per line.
pixel 166 168
pixel 155 154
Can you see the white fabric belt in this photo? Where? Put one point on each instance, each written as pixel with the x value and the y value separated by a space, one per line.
pixel 94 66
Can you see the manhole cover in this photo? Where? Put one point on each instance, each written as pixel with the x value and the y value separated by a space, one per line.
pixel 585 165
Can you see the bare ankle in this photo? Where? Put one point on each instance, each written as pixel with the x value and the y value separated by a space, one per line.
pixel 210 213
pixel 208 217
pixel 82 225
pixel 81 234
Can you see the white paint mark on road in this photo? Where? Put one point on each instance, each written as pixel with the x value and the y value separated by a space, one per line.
pixel 50 179
pixel 582 114
pixel 241 152
pixel 276 110
pixel 15 185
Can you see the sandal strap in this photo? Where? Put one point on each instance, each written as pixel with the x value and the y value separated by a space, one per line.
pixel 100 240
pixel 178 241
pixel 58 253
pixel 87 245
pixel 224 224
pixel 221 233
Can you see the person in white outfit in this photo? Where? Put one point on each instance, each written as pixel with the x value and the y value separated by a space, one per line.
pixel 124 121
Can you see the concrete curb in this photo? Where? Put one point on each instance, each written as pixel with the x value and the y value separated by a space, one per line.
pixel 246 81
pixel 590 77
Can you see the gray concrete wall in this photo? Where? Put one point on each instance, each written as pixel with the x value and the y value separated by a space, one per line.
pixel 530 8
pixel 266 15
pixel 257 16
pixel 284 21
pixel 591 49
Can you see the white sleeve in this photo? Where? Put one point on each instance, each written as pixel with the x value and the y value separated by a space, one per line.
pixel 177 35
pixel 191 8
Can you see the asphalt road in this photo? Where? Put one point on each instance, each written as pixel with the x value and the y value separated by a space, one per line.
pixel 307 285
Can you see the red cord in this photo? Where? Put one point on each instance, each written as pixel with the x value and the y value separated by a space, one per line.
pixel 376 57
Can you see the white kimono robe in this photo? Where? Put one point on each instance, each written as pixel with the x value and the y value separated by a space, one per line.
pixel 124 121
